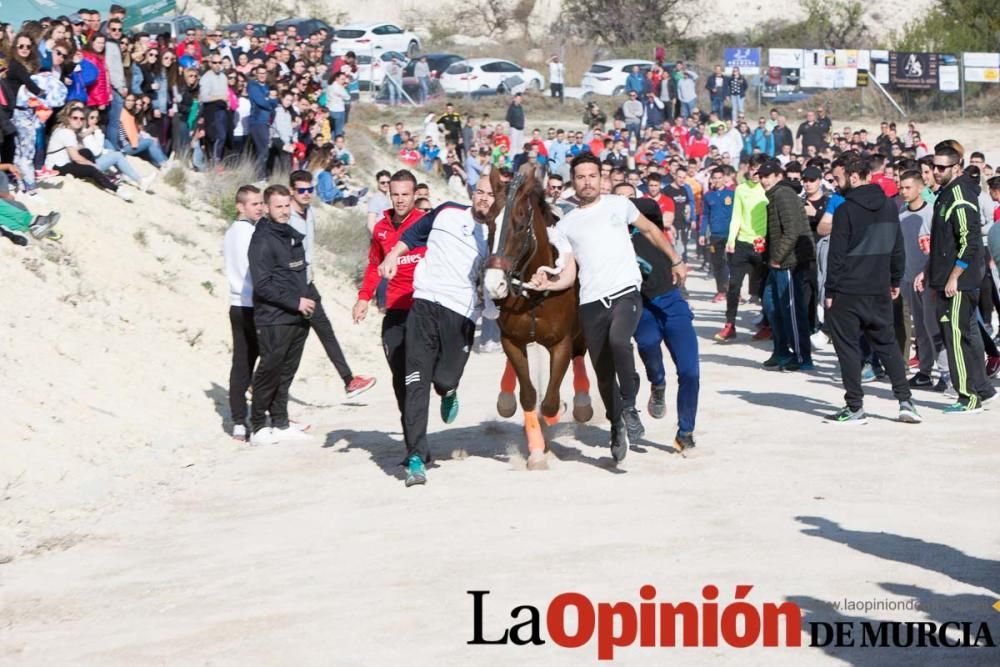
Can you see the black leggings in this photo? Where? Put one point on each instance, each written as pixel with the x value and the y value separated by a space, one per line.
pixel 88 172
pixel 608 328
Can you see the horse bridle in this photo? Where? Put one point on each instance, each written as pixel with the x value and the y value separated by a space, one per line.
pixel 514 267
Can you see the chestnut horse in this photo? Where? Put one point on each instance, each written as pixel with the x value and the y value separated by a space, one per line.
pixel 519 243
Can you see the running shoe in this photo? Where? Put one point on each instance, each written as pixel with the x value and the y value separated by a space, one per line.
pixel 264 436
pixel 449 407
pixel 45 173
pixel 764 333
pixel 684 441
pixel 657 406
pixel 942 384
pixel 914 361
pixel 619 441
pixel 358 385
pixel 240 432
pixel 983 400
pixel 416 473
pixel 867 373
pixel 728 332
pixel 921 381
pixel 43 224
pixel 819 341
pixel 633 424
pixel 719 298
pixel 776 361
pixel 960 408
pixel 290 434
pixel 848 417
pixel 908 413
pixel 794 365
pixel 992 367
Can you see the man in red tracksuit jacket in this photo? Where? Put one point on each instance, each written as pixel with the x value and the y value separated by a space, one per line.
pixel 399 297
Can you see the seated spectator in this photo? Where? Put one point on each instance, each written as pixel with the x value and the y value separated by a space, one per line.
pixel 409 155
pixel 16 221
pixel 68 157
pixel 135 141
pixel 92 137
pixel 340 151
pixel 328 187
pixel 429 152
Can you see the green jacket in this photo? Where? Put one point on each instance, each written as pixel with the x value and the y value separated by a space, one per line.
pixel 789 238
pixel 749 219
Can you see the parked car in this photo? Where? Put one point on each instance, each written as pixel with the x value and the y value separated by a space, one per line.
pixel 437 62
pixel 479 75
pixel 371 70
pixel 361 37
pixel 175 26
pixel 304 27
pixel 607 77
pixel 259 29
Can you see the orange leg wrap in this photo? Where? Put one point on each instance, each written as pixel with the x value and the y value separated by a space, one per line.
pixel 536 441
pixel 581 383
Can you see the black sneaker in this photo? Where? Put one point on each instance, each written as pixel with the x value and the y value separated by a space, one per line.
pixel 921 381
pixel 848 417
pixel 657 406
pixel 632 422
pixel 684 441
pixel 619 441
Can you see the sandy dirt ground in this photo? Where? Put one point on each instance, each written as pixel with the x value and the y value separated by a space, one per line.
pixel 133 531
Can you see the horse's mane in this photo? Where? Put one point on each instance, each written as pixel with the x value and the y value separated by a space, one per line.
pixel 531 193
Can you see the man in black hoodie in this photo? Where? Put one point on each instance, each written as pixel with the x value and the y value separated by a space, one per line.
pixel 955 272
pixel 282 303
pixel 864 268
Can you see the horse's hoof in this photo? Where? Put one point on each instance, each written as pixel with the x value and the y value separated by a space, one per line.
pixel 554 419
pixel 583 411
pixel 506 404
pixel 537 461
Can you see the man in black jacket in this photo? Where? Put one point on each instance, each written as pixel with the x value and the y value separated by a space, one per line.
pixel 281 305
pixel 864 268
pixel 515 118
pixel 955 272
pixel 790 252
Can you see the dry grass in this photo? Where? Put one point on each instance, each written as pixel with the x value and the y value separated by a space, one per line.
pixel 343 234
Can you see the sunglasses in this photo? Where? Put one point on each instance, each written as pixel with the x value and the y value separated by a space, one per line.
pixel 555 187
pixel 942 167
pixel 75 117
pixel 216 62
pixel 305 191
pixel 61 54
pixel 23 46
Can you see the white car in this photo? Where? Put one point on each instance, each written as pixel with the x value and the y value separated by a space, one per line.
pixel 607 77
pixel 369 37
pixel 371 69
pixel 490 74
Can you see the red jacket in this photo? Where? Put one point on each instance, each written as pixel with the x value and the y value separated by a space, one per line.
pixel 99 92
pixel 181 49
pixel 385 235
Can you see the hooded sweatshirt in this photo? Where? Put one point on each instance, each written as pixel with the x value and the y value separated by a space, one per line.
pixel 866 244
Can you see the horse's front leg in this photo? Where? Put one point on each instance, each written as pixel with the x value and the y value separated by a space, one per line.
pixel 517 357
pixel 559 358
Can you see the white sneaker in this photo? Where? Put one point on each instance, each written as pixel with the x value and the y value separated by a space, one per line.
pixel 121 194
pixel 289 434
pixel 147 183
pixel 240 432
pixel 819 341
pixel 299 426
pixel 264 436
pixel 757 319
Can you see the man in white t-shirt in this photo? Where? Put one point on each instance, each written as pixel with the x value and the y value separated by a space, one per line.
pixel 557 77
pixel 610 303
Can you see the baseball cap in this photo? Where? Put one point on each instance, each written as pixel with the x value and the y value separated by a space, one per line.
pixel 812 174
pixel 770 169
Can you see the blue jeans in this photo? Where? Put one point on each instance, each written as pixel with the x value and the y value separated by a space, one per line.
pixel 686 108
pixel 114 119
pixel 260 136
pixel 337 122
pixel 718 106
pixel 151 147
pixel 786 310
pixel 668 319
pixel 425 89
pixel 109 159
pixel 393 92
pixel 737 102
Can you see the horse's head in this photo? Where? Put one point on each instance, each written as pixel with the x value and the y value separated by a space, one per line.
pixel 518 216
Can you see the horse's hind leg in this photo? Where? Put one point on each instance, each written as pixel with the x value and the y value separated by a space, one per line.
pixel 583 411
pixel 559 357
pixel 506 403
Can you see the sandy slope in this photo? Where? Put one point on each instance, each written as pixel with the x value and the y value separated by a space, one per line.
pixel 136 532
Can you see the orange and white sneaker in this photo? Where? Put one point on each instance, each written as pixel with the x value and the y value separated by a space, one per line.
pixel 727 332
pixel 358 385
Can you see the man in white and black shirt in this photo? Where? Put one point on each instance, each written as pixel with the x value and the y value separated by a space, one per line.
pixel 442 321
pixel 610 303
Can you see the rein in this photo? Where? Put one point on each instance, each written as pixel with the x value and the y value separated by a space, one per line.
pixel 526 250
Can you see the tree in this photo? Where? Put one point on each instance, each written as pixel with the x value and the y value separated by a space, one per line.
pixel 622 22
pixel 954 26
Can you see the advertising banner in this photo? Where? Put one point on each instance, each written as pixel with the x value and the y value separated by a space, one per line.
pixel 913 71
pixel 748 60
pixel 982 67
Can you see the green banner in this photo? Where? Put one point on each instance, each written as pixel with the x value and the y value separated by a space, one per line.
pixel 16 12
